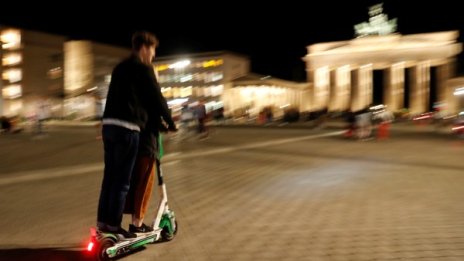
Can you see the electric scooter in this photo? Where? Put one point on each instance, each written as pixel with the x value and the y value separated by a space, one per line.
pixel 106 246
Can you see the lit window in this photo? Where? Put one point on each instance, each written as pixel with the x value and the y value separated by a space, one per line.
pixel 186 78
pixel 217 76
pixel 176 92
pixel 12 91
pixel 11 39
pixel 12 75
pixel 217 90
pixel 14 107
pixel 167 92
pixel 162 67
pixel 212 63
pixel 11 59
pixel 179 64
pixel 186 92
pixel 213 76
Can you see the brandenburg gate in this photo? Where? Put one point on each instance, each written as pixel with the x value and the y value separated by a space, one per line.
pixel 341 73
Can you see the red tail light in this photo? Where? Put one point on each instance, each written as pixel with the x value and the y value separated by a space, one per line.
pixel 90 246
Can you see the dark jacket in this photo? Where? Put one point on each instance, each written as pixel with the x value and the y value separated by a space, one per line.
pixel 148 144
pixel 148 141
pixel 134 95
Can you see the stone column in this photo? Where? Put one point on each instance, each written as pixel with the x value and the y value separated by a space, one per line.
pixel 420 88
pixel 332 102
pixel 321 88
pixel 340 89
pixel 443 74
pixel 354 90
pixel 394 87
pixel 344 90
pixel 310 94
pixel 361 87
pixel 444 93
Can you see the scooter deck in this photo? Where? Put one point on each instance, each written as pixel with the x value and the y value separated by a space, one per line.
pixel 125 246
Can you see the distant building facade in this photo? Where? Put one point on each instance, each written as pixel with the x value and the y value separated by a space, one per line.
pixel 69 77
pixel 31 70
pixel 223 79
pixel 200 76
pixel 254 93
pixel 87 74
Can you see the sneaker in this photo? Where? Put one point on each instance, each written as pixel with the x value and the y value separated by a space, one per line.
pixel 120 232
pixel 142 229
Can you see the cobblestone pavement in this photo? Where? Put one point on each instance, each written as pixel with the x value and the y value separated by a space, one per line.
pixel 262 196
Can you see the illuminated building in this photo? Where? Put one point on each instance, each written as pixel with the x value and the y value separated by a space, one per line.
pixel 87 74
pixel 31 68
pixel 70 77
pixel 342 73
pixel 406 71
pixel 200 76
pixel 254 92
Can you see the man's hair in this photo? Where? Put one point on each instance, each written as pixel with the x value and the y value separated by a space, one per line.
pixel 142 38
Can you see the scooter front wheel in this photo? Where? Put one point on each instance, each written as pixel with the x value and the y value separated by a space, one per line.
pixel 166 236
pixel 103 245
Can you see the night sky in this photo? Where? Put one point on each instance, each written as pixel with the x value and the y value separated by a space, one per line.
pixel 274 36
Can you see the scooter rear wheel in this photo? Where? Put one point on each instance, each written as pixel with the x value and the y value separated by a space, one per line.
pixel 103 245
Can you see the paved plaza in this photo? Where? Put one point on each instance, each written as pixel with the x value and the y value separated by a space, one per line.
pixel 249 194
